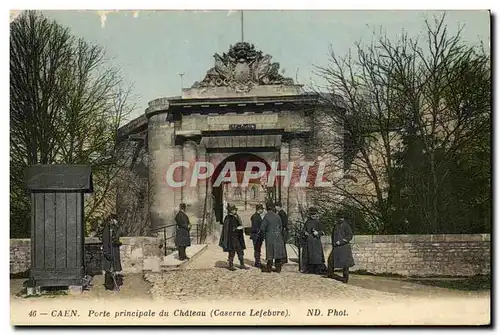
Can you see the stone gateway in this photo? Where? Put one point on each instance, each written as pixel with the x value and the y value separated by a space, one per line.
pixel 243 112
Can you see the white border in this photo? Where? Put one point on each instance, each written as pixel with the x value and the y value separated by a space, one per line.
pixel 186 4
pixel 255 4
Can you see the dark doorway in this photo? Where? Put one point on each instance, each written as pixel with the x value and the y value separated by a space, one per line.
pixel 244 198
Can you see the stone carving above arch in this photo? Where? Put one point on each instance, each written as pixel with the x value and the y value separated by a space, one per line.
pixel 242 68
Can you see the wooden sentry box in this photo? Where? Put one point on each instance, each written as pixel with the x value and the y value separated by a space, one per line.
pixel 57 223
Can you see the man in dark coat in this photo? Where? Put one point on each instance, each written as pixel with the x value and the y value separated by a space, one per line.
pixel 275 247
pixel 313 257
pixel 232 240
pixel 255 234
pixel 284 227
pixel 111 261
pixel 182 236
pixel 341 254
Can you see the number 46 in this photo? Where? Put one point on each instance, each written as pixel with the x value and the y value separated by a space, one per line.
pixel 32 313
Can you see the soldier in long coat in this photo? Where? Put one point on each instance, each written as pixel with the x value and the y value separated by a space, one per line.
pixel 341 254
pixel 111 261
pixel 284 226
pixel 272 232
pixel 182 236
pixel 232 240
pixel 313 257
pixel 255 234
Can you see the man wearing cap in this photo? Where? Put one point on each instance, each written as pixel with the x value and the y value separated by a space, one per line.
pixel 313 256
pixel 255 235
pixel 284 226
pixel 272 232
pixel 232 240
pixel 111 261
pixel 341 254
pixel 182 236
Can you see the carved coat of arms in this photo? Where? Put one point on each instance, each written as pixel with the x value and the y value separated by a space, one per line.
pixel 242 68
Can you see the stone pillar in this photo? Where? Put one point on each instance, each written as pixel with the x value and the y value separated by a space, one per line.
pixel 181 171
pixel 205 194
pixel 295 195
pixel 161 149
pixel 284 161
pixel 190 193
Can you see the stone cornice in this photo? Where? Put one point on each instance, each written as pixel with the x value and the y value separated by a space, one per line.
pixel 297 99
pixel 179 105
pixel 176 106
pixel 136 126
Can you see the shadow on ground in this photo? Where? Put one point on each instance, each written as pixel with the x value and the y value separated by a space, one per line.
pixel 134 286
pixel 225 264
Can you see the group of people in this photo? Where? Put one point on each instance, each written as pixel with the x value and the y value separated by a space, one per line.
pixel 313 258
pixel 271 230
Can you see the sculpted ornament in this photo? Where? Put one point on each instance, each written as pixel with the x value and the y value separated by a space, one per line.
pixel 242 68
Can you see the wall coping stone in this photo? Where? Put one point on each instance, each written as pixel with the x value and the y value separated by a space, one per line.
pixel 127 240
pixel 431 238
pixel 358 239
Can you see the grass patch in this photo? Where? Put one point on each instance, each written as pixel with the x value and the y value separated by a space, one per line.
pixel 476 283
pixel 383 274
pixel 439 277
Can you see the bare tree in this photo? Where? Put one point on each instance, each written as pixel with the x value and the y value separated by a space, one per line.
pixel 358 133
pixel 430 90
pixel 66 105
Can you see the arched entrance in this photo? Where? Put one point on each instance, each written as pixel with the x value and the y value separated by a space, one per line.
pixel 244 196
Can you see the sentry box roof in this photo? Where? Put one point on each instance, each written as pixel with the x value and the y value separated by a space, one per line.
pixel 59 178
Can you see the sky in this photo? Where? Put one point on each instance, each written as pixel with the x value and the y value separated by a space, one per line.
pixel 153 47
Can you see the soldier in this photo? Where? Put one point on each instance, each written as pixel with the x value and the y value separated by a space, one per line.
pixel 272 233
pixel 313 256
pixel 341 254
pixel 284 227
pixel 232 240
pixel 255 236
pixel 182 236
pixel 111 262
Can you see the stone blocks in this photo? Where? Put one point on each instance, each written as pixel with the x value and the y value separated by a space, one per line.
pixel 423 255
pixel 137 254
pixel 419 258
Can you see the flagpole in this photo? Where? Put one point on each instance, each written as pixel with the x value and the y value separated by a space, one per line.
pixel 181 75
pixel 242 37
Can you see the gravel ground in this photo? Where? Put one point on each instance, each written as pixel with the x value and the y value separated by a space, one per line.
pixel 218 283
pixel 369 299
pixel 207 278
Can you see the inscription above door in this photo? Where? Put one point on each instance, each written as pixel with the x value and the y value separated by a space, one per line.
pixel 244 126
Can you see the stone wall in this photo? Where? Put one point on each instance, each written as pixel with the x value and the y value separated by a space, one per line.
pixel 136 254
pixel 407 255
pixel 20 255
pixel 421 255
